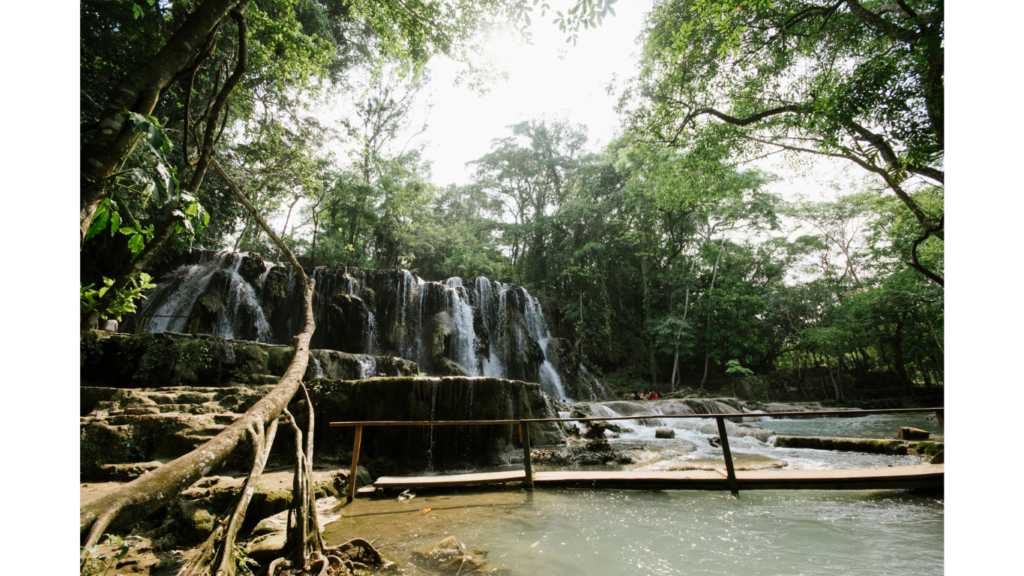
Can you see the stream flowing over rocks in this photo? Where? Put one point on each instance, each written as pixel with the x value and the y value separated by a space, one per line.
pixel 458 327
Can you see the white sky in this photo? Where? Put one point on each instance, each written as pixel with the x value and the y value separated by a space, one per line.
pixel 548 79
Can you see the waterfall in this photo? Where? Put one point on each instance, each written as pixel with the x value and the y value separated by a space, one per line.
pixel 549 377
pixel 367 367
pixel 496 329
pixel 493 323
pixel 242 297
pixel 595 385
pixel 319 368
pixel 240 315
pixel 371 331
pixel 463 340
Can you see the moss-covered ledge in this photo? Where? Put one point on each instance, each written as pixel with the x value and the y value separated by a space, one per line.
pixel 865 445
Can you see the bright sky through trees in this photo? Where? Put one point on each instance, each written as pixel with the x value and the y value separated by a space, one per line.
pixel 549 78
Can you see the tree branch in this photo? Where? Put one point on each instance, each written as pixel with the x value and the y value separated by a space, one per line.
pixel 916 265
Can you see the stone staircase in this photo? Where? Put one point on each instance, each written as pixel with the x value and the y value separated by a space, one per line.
pixel 128 432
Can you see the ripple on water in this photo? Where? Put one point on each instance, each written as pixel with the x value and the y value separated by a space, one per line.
pixel 600 533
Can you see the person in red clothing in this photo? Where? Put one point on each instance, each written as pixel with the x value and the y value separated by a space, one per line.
pixel 654 395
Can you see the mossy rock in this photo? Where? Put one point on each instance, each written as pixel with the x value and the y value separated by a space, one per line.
pixel 197 522
pixel 928 448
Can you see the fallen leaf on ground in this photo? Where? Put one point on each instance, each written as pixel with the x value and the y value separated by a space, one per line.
pixel 424 511
pixel 534 545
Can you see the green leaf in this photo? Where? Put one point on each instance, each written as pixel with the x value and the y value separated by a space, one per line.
pixel 99 221
pixel 137 11
pixel 136 244
pixel 115 223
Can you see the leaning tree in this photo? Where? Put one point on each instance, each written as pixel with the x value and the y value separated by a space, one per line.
pixel 860 81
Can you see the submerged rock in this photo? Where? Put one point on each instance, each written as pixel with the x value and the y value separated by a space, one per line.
pixel 664 433
pixel 449 556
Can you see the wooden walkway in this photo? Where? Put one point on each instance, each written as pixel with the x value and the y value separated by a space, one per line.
pixel 897 477
pixel 450 480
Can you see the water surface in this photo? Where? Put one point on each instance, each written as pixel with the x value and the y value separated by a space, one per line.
pixel 598 533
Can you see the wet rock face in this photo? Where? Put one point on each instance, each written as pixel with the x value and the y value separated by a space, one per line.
pixel 586 453
pixel 274 295
pixel 131 426
pixel 343 366
pixel 252 269
pixel 422 399
pixel 166 359
pixel 343 325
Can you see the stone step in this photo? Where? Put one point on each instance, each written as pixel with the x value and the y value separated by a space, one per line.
pixel 226 418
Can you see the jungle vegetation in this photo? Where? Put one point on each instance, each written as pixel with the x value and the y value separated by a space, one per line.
pixel 664 256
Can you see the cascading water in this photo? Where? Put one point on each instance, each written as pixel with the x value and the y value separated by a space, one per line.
pixel 242 298
pixel 463 341
pixel 171 305
pixel 535 320
pixel 367 368
pixel 481 328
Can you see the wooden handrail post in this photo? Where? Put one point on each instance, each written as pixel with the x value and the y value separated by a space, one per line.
pixel 723 436
pixel 938 414
pixel 355 464
pixel 525 428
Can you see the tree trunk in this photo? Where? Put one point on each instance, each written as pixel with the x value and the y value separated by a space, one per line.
pixel 139 92
pixel 137 499
pixel 835 385
pixel 940 374
pixel 897 347
pixel 206 155
pixel 675 372
pixel 707 344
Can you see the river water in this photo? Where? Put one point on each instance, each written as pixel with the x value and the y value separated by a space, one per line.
pixel 614 532
pixel 665 532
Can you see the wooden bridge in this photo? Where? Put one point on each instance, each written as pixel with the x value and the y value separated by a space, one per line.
pixel 725 478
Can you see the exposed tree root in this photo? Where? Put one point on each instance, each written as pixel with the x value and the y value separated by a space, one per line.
pixel 219 548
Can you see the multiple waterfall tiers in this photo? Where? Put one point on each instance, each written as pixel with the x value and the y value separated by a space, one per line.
pixel 477 327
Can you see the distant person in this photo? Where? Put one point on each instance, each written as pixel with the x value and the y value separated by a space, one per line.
pixel 654 395
pixel 111 325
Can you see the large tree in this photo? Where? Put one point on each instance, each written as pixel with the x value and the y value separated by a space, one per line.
pixel 860 81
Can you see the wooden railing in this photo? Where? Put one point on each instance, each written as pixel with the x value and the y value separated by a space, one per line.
pixel 524 432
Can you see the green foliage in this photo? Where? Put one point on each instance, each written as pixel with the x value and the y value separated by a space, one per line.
pixel 733 368
pixel 243 563
pixel 184 360
pixel 95 565
pixel 125 301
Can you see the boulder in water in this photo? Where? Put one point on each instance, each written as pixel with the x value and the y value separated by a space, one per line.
pixel 664 433
pixel 600 429
pixel 252 269
pixel 909 433
pixel 449 556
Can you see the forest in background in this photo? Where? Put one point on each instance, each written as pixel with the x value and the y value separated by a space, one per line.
pixel 665 256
